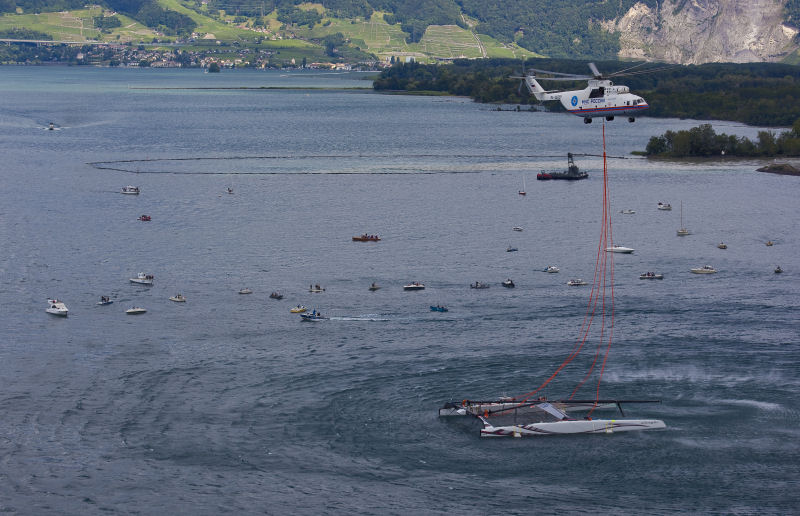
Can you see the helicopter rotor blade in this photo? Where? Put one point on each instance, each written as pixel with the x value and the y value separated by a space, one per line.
pixel 595 71
pixel 560 74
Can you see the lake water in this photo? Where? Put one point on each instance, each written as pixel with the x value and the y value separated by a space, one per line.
pixel 228 403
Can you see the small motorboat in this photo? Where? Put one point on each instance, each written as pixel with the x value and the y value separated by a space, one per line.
pixel 145 218
pixel 245 291
pixel 230 190
pixel 705 269
pixel 510 249
pixel 619 249
pixel 478 284
pixel 778 269
pixel 143 279
pixel 770 243
pixel 664 206
pixel 508 283
pixel 104 300
pixel 722 245
pixel 366 238
pixel 374 287
pixel 438 308
pixel 551 269
pixel 517 228
pixel 627 212
pixel 135 310
pixel 315 288
pixel 178 298
pixel 276 295
pixel 51 126
pixel 414 286
pixel 130 190
pixel 650 275
pixel 56 307
pixel 576 282
pixel 299 309
pixel 313 316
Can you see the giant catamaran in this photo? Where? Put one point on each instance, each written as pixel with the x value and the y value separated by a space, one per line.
pixel 531 414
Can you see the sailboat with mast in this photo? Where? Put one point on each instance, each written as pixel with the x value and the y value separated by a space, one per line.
pixel 532 414
pixel 682 231
pixel 523 192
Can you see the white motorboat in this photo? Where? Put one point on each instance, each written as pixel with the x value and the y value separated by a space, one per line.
pixel 722 245
pixel 650 275
pixel 374 287
pixel 130 190
pixel 508 283
pixel 551 269
pixel 478 285
pixel 705 269
pixel 315 288
pixel 770 243
pixel 517 228
pixel 104 300
pixel 627 212
pixel 778 269
pixel 178 298
pixel 414 286
pixel 619 249
pixel 143 279
pixel 135 310
pixel 56 307
pixel 664 206
pixel 245 291
pixel 576 282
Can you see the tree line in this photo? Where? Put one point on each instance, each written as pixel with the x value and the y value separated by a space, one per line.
pixel 703 141
pixel 753 93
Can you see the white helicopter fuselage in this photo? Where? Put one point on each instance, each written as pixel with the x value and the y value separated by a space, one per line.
pixel 600 99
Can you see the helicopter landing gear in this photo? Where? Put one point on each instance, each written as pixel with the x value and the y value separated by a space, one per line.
pixel 587 120
pixel 631 119
pixel 609 118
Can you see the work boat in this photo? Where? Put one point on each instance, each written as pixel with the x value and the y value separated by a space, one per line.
pixel 530 414
pixel 143 279
pixel 664 206
pixel 414 286
pixel 56 307
pixel 135 310
pixel 571 174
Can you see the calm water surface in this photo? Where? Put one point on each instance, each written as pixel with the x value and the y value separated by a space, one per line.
pixel 228 403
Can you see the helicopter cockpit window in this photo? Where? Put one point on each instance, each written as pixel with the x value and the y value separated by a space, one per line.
pixel 597 93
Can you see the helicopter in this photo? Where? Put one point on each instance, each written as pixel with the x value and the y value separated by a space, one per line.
pixel 601 98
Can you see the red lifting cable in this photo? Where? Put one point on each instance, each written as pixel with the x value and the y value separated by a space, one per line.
pixel 603 277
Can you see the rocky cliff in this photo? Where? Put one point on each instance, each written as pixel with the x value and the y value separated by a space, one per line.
pixel 702 31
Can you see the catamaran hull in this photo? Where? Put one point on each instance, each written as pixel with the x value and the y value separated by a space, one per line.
pixel 595 426
pixel 479 408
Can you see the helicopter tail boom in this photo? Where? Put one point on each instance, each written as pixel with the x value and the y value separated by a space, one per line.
pixel 537 91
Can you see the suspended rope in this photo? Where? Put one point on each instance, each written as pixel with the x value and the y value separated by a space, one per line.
pixel 602 284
